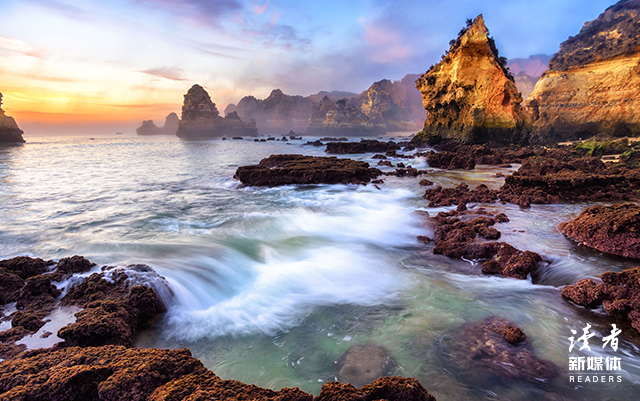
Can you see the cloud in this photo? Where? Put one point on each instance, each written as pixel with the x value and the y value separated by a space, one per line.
pixel 260 9
pixel 19 46
pixel 62 8
pixel 204 11
pixel 386 44
pixel 172 73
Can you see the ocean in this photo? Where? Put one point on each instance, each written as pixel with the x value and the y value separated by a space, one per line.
pixel 271 286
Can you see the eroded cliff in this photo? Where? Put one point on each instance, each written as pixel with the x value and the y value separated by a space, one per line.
pixel 593 82
pixel 470 96
pixel 201 119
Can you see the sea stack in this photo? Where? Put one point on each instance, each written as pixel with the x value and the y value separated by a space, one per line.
pixel 200 118
pixel 593 82
pixel 170 126
pixel 341 119
pixel 470 96
pixel 9 130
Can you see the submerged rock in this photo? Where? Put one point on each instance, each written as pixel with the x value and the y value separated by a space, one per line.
pixel 470 96
pixel 592 83
pixel 298 169
pixel 492 350
pixel 619 293
pixel 612 229
pixel 9 130
pixel 200 118
pixel 362 364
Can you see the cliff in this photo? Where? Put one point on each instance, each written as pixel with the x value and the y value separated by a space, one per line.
pixel 170 127
pixel 397 105
pixel 277 113
pixel 200 118
pixel 393 106
pixel 9 130
pixel 593 82
pixel 341 119
pixel 470 96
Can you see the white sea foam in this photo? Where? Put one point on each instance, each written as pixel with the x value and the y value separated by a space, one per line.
pixel 344 260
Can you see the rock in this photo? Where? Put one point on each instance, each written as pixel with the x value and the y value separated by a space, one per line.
pixel 298 169
pixel 68 266
pixel 461 194
pixel 450 161
pixel 200 118
pixel 482 352
pixel 585 292
pixel 315 143
pixel 611 229
pixel 567 177
pixel 10 285
pixel 362 364
pixel 364 146
pixel 470 96
pixel 37 293
pixel 425 183
pixel 25 267
pixel 457 239
pixel 118 373
pixel 9 130
pixel 396 105
pixel 112 311
pixel 341 118
pixel 170 126
pixel 590 86
pixel 619 293
pixel 385 388
pixel 385 163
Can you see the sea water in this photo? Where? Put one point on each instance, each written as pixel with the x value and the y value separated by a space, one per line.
pixel 271 286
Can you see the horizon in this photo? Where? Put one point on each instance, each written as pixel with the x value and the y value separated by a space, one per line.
pixel 82 67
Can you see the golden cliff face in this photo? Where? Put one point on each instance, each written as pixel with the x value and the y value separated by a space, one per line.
pixel 470 96
pixel 593 83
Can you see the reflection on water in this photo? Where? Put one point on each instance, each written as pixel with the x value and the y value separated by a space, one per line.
pixel 272 285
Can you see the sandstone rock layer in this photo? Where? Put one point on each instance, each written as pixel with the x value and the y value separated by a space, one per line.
pixel 593 82
pixel 470 96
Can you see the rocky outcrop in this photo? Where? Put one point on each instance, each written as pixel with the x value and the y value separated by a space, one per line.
pixel 298 169
pixel 136 374
pixel 9 130
pixel 495 349
pixel 200 118
pixel 341 119
pixel 611 229
pixel 470 96
pixel 565 176
pixel 396 105
pixel 593 82
pixel 170 126
pixel 278 113
pixel 364 146
pixel 619 294
pixel 455 235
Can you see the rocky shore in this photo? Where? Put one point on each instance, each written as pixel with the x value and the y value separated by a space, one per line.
pixel 93 359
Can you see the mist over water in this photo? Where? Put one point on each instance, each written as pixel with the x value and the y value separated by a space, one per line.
pixel 271 285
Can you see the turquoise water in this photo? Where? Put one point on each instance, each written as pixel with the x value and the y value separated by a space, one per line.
pixel 270 286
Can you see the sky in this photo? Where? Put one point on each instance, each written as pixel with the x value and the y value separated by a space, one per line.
pixel 89 66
